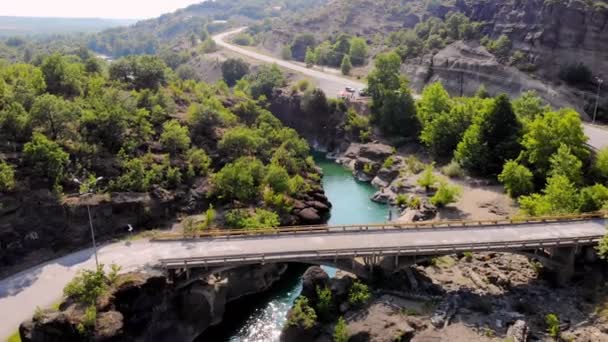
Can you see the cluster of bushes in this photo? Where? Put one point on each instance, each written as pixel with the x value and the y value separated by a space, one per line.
pixel 306 315
pixel 65 116
pixel 342 51
pixel 433 34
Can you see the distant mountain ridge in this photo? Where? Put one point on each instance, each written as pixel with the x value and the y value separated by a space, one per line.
pixel 20 26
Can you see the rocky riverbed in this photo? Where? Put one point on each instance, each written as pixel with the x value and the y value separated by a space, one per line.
pixel 480 297
pixel 395 174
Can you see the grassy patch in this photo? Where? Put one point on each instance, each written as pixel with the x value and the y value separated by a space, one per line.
pixel 15 337
pixel 443 261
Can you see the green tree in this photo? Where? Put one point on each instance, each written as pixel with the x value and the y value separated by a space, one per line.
pixel 265 80
pixel 277 178
pixel 302 314
pixel 600 164
pixel 52 115
pixel 346 65
pixel 242 141
pixel 16 122
pixel 233 69
pixel 175 137
pixel 384 77
pixel 529 106
pixel 358 51
pixel 46 158
pixel 62 77
pixel 517 179
pixel 240 180
pixel 482 93
pixel 358 294
pixel 7 177
pixel 492 139
pixel 310 58
pixel 141 72
pixel 340 331
pixel 286 53
pixel 564 163
pixel 593 198
pixel 546 133
pixel 560 196
pixel 397 114
pixel 434 102
pixel 301 44
pixel 198 162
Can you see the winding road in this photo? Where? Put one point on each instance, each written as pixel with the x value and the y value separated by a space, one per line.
pixel 332 83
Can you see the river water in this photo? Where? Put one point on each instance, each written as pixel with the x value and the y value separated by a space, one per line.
pixel 261 319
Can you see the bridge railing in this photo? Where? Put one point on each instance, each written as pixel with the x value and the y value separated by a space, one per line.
pixel 315 229
pixel 335 254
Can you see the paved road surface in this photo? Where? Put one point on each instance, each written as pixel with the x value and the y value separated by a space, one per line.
pixel 598 136
pixel 42 285
pixel 332 84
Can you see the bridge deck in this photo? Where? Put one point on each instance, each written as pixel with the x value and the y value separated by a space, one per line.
pixel 427 241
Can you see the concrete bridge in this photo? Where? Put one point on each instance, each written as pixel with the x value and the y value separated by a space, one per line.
pixel 555 242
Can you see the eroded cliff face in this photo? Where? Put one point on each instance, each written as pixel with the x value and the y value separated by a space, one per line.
pixel 322 127
pixel 37 226
pixel 146 307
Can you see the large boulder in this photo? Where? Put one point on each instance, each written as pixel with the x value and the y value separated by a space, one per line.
pixel 314 277
pixel 375 151
pixel 518 332
pixel 309 216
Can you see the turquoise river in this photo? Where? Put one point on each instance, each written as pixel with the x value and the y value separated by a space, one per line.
pixel 260 319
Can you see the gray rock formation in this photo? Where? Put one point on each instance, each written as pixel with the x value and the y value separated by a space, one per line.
pixel 147 308
pixel 518 332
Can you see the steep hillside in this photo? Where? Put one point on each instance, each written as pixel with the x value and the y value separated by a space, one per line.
pixel 192 23
pixel 563 44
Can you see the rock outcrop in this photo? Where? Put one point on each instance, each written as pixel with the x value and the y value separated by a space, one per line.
pixel 36 226
pixel 148 308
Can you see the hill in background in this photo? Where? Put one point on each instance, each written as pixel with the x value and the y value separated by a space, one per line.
pixel 18 26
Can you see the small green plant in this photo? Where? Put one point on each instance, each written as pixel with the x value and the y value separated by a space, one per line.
pixel 413 165
pixel 302 315
pixel 468 256
pixel 453 170
pixel 401 200
pixel 388 162
pixel 15 337
pixel 324 303
pixel 113 274
pixel 38 314
pixel 552 322
pixel 602 248
pixel 428 180
pixel 368 168
pixel 358 294
pixel 414 203
pixel 410 312
pixel 341 331
pixel 446 194
pixel 90 316
pixel 87 286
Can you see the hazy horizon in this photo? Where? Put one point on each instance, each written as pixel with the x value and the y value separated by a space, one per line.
pixel 109 9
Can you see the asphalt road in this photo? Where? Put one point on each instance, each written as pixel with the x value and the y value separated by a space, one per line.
pixel 327 80
pixel 42 286
pixel 332 83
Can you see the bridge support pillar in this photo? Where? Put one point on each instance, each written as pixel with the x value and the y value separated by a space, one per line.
pixel 565 256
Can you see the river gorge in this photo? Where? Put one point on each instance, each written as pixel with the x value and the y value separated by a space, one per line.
pixel 261 318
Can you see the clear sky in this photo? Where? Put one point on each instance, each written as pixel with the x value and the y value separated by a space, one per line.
pixel 123 9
